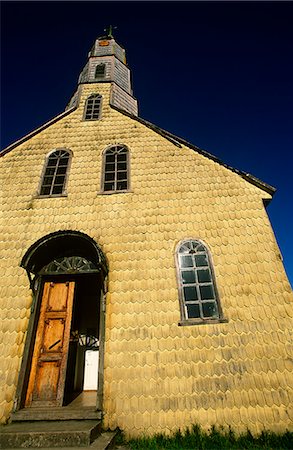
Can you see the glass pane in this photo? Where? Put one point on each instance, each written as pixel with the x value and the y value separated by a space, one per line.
pixel 110 167
pixel 193 311
pixel 206 292
pixel 122 185
pixel 122 175
pixel 48 180
pixel 200 248
pixel 190 293
pixel 95 116
pixel 121 166
pixel 188 276
pixel 186 261
pixel 52 162
pixel 110 176
pixel 210 309
pixel 57 190
pixel 201 260
pixel 59 179
pixel 109 187
pixel 61 170
pixel 110 158
pixel 45 190
pixel 50 171
pixel 122 157
pixel 203 276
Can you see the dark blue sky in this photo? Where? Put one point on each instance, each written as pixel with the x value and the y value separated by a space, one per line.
pixel 217 74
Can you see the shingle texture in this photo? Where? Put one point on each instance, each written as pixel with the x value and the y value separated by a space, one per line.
pixel 158 376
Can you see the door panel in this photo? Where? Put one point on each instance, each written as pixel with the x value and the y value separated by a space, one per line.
pixel 48 368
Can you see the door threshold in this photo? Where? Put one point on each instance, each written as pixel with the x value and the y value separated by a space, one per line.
pixel 57 413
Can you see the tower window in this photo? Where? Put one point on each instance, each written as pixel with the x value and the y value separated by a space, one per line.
pixel 55 174
pixel 93 107
pixel 100 71
pixel 197 287
pixel 116 169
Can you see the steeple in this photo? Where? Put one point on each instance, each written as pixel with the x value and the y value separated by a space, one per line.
pixel 107 64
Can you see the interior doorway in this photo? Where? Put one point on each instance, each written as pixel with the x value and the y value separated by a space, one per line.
pixel 83 357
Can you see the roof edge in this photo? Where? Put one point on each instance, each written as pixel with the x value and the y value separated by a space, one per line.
pixel 36 131
pixel 177 141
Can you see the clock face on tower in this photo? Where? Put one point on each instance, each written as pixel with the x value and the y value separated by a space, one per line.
pixel 103 43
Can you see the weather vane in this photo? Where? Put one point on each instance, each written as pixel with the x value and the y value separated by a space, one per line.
pixel 109 30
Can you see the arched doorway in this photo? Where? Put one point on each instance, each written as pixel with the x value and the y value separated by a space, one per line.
pixel 63 354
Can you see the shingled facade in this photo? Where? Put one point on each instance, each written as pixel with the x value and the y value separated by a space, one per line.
pixel 163 258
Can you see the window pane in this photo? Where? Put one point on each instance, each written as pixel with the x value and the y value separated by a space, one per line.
pixel 110 158
pixel 121 166
pixel 206 292
pixel 210 309
pixel 201 260
pixel 121 175
pixel 110 176
pixel 61 170
pixel 59 179
pixel 57 190
pixel 193 311
pixel 186 261
pixel 121 185
pixel 47 180
pixel 50 171
pixel 188 276
pixel 190 293
pixel 203 276
pixel 200 248
pixel 110 167
pixel 52 162
pixel 122 157
pixel 109 187
pixel 45 190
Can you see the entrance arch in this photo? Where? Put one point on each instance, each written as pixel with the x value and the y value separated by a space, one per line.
pixel 64 350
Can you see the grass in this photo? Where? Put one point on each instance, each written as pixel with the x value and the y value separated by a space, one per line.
pixel 216 438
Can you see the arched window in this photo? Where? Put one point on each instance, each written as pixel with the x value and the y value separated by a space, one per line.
pixel 197 287
pixel 116 169
pixel 55 173
pixel 100 71
pixel 93 105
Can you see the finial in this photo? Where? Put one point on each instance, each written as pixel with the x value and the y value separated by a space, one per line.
pixel 109 30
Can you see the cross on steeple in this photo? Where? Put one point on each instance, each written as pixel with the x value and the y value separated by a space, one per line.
pixel 109 30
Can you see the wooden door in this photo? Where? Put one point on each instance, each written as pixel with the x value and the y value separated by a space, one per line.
pixel 48 368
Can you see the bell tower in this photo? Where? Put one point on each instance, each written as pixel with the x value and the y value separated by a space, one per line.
pixel 107 64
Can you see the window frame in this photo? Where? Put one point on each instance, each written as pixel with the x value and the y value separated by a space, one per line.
pixel 184 319
pixel 116 191
pixel 94 94
pixel 45 165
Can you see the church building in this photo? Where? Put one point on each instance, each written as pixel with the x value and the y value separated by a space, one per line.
pixel 141 282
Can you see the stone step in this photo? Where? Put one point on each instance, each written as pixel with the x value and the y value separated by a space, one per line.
pixel 62 413
pixel 49 434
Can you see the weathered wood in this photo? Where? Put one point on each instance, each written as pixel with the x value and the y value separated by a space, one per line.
pixel 48 368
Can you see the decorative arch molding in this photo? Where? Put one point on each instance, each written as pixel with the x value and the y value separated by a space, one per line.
pixel 64 246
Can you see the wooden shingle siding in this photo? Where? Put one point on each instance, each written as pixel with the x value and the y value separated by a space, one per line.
pixel 122 100
pixel 158 376
pixel 122 76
